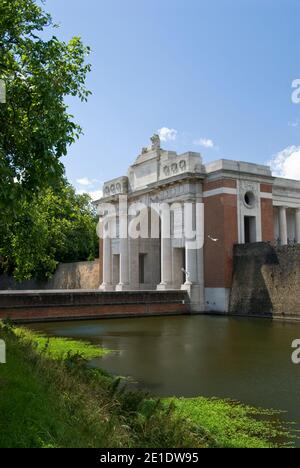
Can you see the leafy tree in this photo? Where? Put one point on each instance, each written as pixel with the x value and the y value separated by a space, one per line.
pixel 35 126
pixel 56 226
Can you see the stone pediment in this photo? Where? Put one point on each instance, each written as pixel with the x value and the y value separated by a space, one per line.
pixel 153 165
pixel 143 173
pixel 150 152
pixel 147 155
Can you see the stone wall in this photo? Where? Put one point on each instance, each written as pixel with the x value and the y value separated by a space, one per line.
pixel 266 281
pixel 80 275
pixel 32 306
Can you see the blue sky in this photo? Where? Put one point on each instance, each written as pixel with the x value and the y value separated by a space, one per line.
pixel 218 72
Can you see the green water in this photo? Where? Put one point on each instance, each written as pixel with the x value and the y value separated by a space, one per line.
pixel 244 359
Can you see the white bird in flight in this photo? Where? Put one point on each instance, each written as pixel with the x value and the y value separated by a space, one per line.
pixel 212 238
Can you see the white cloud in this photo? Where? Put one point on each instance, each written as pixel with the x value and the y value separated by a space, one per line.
pixel 96 194
pixel 89 186
pixel 206 142
pixel 85 182
pixel 167 134
pixel 286 163
pixel 294 124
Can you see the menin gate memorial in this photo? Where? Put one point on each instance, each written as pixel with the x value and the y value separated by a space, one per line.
pixel 241 203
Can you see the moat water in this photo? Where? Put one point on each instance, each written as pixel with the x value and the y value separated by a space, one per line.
pixel 239 358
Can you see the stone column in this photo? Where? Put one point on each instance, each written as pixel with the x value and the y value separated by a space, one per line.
pixel 107 262
pixel 298 225
pixel 190 247
pixel 124 255
pixel 166 249
pixel 191 265
pixel 283 234
pixel 194 284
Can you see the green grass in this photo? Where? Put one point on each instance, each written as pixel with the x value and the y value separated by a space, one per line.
pixel 59 348
pixel 50 398
pixel 231 424
pixel 49 403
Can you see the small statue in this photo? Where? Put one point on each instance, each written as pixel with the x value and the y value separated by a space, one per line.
pixel 155 140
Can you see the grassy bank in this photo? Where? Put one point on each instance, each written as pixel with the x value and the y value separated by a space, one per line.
pixel 49 398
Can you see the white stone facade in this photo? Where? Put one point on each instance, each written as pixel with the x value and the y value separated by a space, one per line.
pixel 164 261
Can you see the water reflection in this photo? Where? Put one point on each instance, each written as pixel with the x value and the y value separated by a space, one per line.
pixel 244 359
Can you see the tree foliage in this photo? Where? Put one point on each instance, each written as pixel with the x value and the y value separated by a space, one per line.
pixel 43 221
pixel 55 226
pixel 35 126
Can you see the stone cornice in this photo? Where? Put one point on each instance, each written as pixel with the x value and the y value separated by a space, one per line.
pixel 229 174
pixel 159 185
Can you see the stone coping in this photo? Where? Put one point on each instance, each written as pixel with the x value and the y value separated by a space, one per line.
pixel 87 298
pixel 85 291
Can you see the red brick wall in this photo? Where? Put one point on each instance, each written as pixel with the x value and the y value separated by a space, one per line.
pixel 69 305
pixel 268 188
pixel 215 184
pixel 61 313
pixel 267 220
pixel 267 214
pixel 221 223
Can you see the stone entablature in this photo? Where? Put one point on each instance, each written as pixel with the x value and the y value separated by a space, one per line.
pixel 159 166
pixel 172 164
pixel 286 192
pixel 115 187
pixel 226 167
